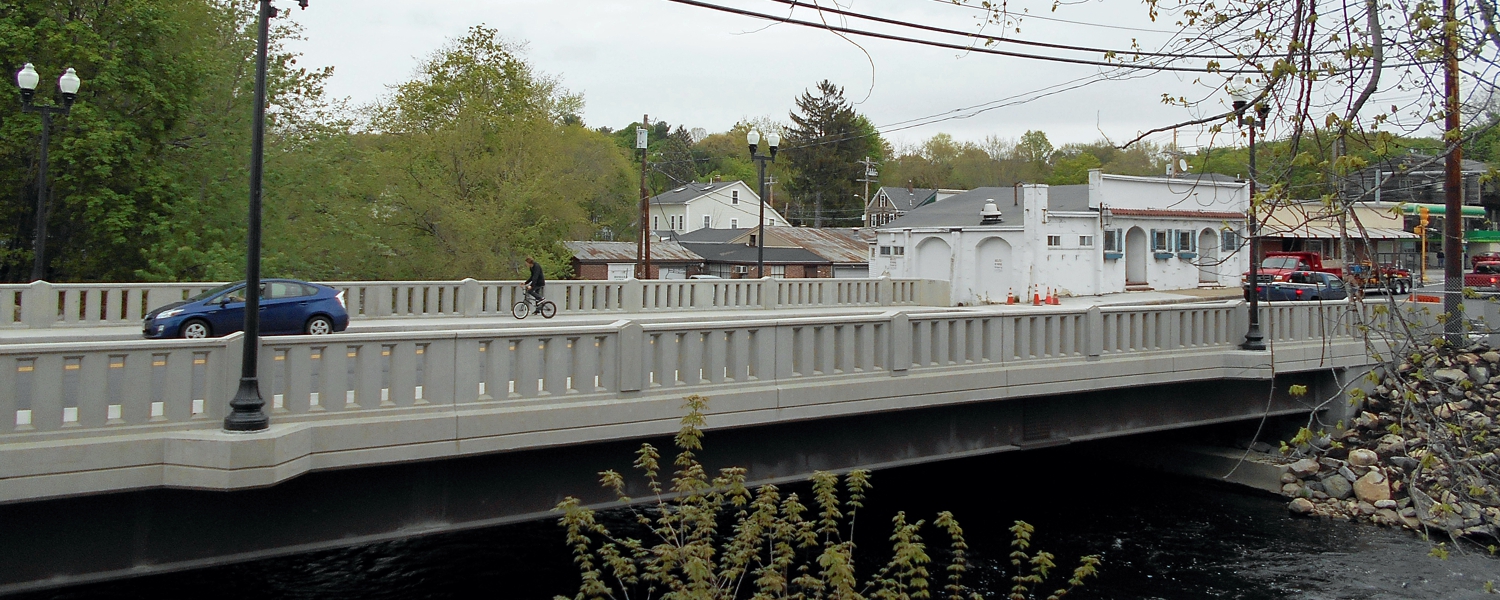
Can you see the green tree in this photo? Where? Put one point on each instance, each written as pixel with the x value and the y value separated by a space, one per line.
pixel 1073 169
pixel 139 61
pixel 1033 151
pixel 482 165
pixel 822 147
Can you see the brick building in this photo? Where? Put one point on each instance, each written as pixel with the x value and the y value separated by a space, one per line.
pixel 616 260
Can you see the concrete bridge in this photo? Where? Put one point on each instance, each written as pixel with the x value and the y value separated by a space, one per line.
pixel 112 461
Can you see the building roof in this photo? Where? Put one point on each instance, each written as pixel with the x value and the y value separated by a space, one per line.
pixel 691 191
pixel 904 199
pixel 738 254
pixel 1176 214
pixel 661 252
pixel 837 245
pixel 711 236
pixel 961 210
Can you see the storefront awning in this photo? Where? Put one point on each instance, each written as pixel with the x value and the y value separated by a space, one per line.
pixel 1308 232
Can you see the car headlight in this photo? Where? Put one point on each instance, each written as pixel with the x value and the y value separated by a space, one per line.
pixel 169 313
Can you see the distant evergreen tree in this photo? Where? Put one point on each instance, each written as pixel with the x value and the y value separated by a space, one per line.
pixel 822 146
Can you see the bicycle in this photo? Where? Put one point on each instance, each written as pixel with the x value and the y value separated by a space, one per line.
pixel 527 305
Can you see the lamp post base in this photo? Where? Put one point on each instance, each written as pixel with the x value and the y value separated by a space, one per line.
pixel 245 410
pixel 1253 339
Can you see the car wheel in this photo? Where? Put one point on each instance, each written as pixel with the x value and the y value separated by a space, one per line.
pixel 195 330
pixel 319 325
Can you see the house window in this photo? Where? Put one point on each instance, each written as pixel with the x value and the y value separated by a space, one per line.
pixel 656 222
pixel 1086 241
pixel 1185 241
pixel 734 223
pixel 1229 240
pixel 1113 239
pixel 708 222
pixel 734 197
pixel 1160 241
pixel 1054 240
pixel 885 250
pixel 898 250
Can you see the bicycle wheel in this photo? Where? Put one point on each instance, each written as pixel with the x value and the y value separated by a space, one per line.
pixel 548 309
pixel 520 309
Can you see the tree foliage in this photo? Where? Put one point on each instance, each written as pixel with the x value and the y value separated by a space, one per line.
pixel 711 537
pixel 822 147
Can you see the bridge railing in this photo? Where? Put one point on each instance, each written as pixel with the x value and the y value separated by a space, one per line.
pixel 42 305
pixel 68 389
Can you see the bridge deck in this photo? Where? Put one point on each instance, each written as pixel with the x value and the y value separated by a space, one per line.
pixel 93 417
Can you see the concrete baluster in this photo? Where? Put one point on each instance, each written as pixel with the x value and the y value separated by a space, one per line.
pixel 632 296
pixel 769 293
pixel 559 364
pixel 469 298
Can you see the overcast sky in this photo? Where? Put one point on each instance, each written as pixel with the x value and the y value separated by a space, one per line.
pixel 701 68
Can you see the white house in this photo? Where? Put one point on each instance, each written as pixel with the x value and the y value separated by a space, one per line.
pixel 1115 233
pixel 717 205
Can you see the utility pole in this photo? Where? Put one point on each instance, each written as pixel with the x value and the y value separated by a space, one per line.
pixel 1453 220
pixel 643 238
pixel 868 174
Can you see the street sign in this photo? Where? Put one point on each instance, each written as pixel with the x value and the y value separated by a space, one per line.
pixel 640 138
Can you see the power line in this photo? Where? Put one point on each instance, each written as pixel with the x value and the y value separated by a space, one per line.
pixel 898 38
pixel 837 11
pixel 1042 18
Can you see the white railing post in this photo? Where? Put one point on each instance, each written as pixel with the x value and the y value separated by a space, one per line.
pixel 885 291
pixel 900 343
pixel 630 356
pixel 39 305
pixel 770 290
pixel 632 292
pixel 1094 333
pixel 469 301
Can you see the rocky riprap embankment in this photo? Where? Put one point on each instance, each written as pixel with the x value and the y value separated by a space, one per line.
pixel 1424 454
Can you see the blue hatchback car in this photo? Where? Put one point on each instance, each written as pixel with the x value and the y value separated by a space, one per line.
pixel 286 307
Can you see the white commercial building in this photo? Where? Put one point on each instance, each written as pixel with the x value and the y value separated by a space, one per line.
pixel 1115 233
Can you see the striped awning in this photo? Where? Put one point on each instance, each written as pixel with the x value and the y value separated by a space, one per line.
pixel 1309 232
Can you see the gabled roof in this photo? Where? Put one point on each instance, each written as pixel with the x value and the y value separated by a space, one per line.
pixel 740 254
pixel 711 236
pixel 625 252
pixel 903 199
pixel 692 191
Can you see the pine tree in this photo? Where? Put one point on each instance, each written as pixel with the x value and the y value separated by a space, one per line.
pixel 822 146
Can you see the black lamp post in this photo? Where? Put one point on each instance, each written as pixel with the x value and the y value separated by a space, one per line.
pixel 246 409
pixel 1253 120
pixel 773 140
pixel 68 84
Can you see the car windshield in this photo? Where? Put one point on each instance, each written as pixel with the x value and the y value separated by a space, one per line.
pixel 215 291
pixel 1279 262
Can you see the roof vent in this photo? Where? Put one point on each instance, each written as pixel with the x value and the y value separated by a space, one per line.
pixel 990 214
pixel 680 189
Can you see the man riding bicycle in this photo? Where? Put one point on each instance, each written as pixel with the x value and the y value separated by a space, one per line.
pixel 534 284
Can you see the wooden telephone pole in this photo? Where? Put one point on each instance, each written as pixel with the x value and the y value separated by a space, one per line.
pixel 643 237
pixel 1453 219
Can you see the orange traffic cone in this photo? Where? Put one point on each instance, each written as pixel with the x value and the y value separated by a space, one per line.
pixel 1036 297
pixel 1010 297
pixel 1052 298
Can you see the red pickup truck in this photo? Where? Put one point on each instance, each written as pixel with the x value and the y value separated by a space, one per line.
pixel 1278 266
pixel 1485 278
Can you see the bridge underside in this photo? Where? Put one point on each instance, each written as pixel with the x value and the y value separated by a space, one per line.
pixel 72 540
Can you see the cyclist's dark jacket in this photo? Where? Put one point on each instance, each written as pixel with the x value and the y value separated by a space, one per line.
pixel 536 281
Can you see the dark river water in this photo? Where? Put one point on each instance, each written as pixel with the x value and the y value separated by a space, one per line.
pixel 1160 537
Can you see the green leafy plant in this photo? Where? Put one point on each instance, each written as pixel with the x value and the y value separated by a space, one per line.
pixel 713 538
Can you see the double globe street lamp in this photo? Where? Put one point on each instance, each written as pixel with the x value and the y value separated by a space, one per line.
pixel 773 140
pixel 1253 120
pixel 68 86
